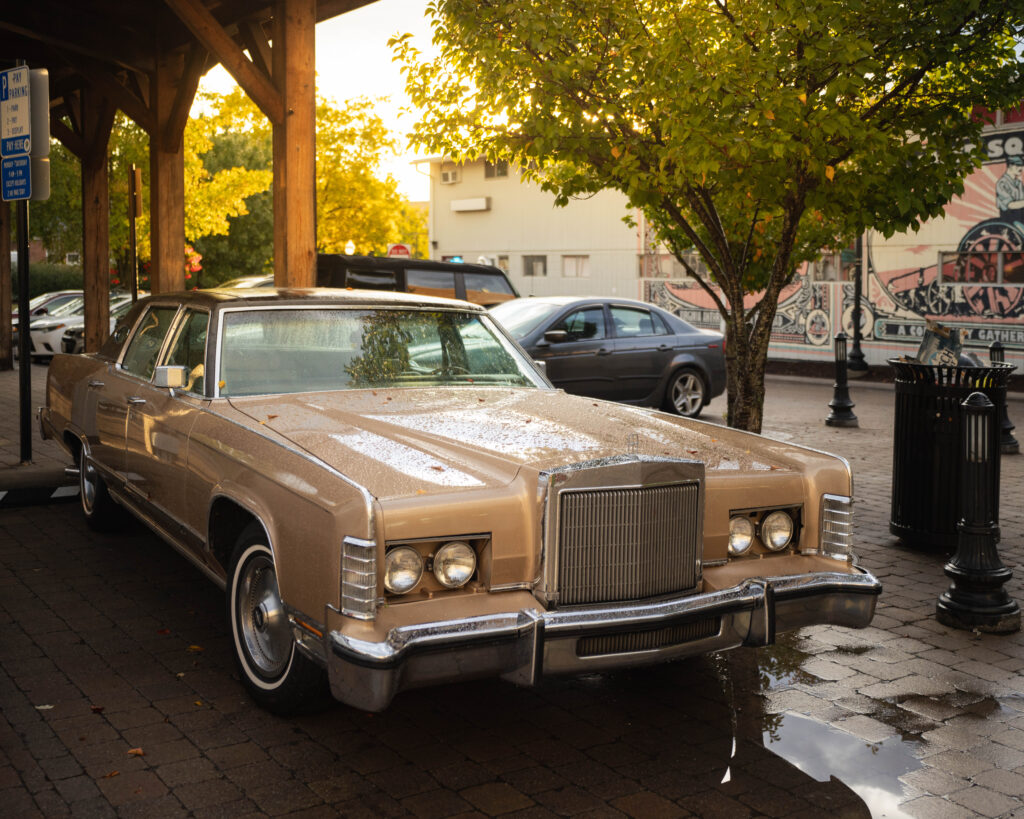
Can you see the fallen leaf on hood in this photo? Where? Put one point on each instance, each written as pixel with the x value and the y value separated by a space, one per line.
pixel 692 451
pixel 136 752
pixel 271 417
pixel 438 468
pixel 421 491
pixel 194 649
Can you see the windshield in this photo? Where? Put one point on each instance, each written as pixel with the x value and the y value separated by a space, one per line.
pixel 521 317
pixel 72 308
pixel 303 350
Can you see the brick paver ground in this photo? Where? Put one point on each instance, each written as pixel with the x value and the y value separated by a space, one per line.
pixel 119 697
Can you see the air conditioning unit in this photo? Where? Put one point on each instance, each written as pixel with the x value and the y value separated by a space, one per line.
pixel 450 177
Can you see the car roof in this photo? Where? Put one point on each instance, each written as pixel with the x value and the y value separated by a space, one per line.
pixel 255 296
pixel 565 301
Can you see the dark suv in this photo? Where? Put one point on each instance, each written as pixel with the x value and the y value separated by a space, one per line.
pixel 477 283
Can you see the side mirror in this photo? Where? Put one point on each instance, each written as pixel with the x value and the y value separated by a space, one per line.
pixel 42 311
pixel 174 378
pixel 541 365
pixel 556 336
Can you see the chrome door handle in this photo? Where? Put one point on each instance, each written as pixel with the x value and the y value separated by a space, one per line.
pixel 663 348
pixel 604 351
pixel 95 384
pixel 136 401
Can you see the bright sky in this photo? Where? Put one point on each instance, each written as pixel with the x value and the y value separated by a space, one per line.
pixel 353 60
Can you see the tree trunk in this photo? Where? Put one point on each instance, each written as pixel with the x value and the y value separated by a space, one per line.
pixel 746 354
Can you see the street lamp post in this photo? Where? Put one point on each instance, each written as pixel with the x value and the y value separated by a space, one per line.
pixel 842 407
pixel 857 365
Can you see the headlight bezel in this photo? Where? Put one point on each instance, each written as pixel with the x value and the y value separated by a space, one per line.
pixel 761 545
pixel 430 586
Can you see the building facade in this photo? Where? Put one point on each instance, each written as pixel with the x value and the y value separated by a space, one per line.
pixel 964 269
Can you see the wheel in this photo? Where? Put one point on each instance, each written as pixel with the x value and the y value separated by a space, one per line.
pixel 686 393
pixel 278 676
pixel 101 511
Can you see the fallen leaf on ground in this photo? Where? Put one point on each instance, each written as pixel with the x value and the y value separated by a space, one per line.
pixel 112 773
pixel 163 631
pixel 96 709
pixel 136 752
pixel 44 708
pixel 194 649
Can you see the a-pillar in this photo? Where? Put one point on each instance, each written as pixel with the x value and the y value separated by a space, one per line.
pixel 295 144
pixel 97 121
pixel 167 180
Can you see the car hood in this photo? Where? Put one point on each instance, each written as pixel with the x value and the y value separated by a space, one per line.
pixel 403 442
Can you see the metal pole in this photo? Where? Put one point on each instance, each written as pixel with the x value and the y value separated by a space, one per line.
pixel 857 365
pixel 1008 444
pixel 133 257
pixel 24 320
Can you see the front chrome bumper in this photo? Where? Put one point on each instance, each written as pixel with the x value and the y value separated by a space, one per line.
pixel 524 645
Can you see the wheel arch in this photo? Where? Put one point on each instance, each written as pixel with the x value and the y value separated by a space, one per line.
pixel 228 519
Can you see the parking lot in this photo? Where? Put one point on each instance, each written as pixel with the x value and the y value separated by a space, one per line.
pixel 119 696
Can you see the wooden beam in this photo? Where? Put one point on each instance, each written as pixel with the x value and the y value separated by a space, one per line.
pixel 177 117
pixel 255 40
pixel 212 35
pixel 98 119
pixel 295 144
pixel 166 182
pixel 105 82
pixel 68 138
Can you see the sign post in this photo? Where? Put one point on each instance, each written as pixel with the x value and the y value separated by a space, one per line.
pixel 22 161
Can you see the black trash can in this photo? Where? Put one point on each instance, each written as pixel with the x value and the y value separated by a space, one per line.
pixel 926 446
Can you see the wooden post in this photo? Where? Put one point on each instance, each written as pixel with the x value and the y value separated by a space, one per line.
pixel 6 336
pixel 166 182
pixel 295 144
pixel 97 121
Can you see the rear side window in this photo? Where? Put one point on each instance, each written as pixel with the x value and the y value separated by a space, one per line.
pixel 487 288
pixel 144 347
pixel 430 283
pixel 371 279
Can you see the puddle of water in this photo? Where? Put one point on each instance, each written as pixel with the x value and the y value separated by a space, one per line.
pixel 870 769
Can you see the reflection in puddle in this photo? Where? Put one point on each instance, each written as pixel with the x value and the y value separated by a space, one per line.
pixel 871 769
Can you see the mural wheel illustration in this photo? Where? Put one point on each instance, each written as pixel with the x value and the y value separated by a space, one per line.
pixel 937 299
pixel 983 242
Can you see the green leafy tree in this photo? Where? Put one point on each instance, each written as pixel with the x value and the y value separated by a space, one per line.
pixel 756 133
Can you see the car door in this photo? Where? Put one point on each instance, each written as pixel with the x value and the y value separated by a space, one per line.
pixel 578 363
pixel 643 349
pixel 120 385
pixel 159 422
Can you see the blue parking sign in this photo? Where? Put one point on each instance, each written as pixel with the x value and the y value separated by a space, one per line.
pixel 16 178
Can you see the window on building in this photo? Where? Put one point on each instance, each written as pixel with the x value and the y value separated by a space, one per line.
pixel 576 267
pixel 495 170
pixel 503 263
pixel 535 265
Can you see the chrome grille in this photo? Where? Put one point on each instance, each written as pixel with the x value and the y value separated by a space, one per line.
pixel 627 544
pixel 647 640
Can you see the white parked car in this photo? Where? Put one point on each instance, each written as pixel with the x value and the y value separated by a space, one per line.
pixel 46 332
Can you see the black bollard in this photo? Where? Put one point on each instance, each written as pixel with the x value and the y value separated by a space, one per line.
pixel 1007 443
pixel 976 600
pixel 842 407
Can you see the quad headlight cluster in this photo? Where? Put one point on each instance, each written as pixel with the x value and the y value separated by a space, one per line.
pixel 453 565
pixel 775 530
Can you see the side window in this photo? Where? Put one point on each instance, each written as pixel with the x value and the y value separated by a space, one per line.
pixel 631 322
pixel 430 282
pixel 144 347
pixel 584 325
pixel 189 349
pixel 370 279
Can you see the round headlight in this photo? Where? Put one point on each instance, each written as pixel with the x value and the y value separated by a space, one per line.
pixel 454 564
pixel 403 568
pixel 741 534
pixel 777 530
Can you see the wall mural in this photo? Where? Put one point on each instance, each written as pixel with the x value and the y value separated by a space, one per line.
pixel 965 269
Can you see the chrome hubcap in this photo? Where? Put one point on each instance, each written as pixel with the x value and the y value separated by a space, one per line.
pixel 687 394
pixel 261 617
